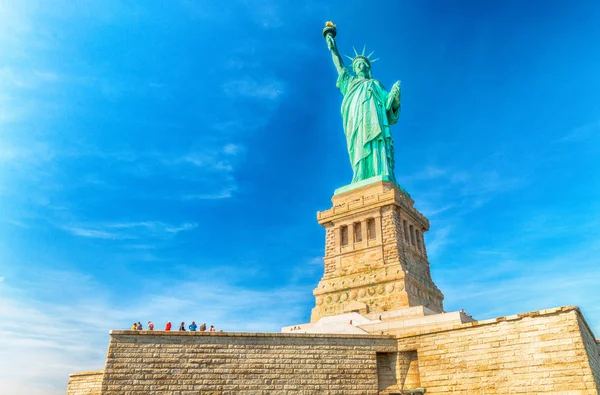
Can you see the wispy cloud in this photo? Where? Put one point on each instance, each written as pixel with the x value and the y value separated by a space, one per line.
pixel 129 230
pixel 266 13
pixel 428 173
pixel 225 193
pixel 488 183
pixel 431 211
pixel 207 160
pixel 251 88
pixel 232 149
pixel 580 133
pixel 94 233
pixel 509 283
pixel 43 339
pixel 308 268
pixel 446 195
pixel 437 240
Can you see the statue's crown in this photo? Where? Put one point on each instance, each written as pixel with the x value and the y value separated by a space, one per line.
pixel 362 56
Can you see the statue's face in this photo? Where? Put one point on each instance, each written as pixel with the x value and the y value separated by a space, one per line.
pixel 361 68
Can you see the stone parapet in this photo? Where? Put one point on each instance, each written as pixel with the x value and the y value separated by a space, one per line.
pixel 551 351
pixel 156 362
pixel 541 352
pixel 85 383
pixel 246 335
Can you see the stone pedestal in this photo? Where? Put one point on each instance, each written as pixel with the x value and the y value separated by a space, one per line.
pixel 375 254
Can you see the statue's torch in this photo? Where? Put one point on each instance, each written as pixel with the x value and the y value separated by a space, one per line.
pixel 329 29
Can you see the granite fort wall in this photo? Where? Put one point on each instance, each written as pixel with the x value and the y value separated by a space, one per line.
pixel 86 383
pixel 546 352
pixel 242 363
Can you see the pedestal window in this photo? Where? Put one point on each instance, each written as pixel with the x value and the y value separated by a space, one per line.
pixel 357 232
pixel 344 235
pixel 371 229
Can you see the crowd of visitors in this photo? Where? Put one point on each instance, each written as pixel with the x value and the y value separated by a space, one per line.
pixel 192 327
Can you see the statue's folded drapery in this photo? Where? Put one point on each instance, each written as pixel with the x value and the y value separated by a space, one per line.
pixel 368 111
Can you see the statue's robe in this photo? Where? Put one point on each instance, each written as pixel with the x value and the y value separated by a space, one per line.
pixel 368 112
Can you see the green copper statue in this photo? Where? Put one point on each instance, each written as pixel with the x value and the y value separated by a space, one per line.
pixel 368 111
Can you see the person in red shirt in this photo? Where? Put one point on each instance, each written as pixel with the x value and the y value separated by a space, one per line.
pixel 168 327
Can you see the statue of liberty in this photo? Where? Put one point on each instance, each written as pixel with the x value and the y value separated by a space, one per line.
pixel 368 111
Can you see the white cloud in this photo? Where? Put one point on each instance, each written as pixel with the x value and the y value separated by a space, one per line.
pixel 26 79
pixel 43 339
pixel 208 160
pixel 231 149
pixel 447 195
pixel 581 132
pixel 428 173
pixel 224 193
pixel 93 233
pixel 431 211
pixel 184 227
pixel 489 183
pixel 436 241
pixel 128 230
pixel 508 283
pixel 264 89
pixel 317 260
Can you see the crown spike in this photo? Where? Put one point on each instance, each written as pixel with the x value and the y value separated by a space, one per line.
pixel 374 60
pixel 349 57
pixel 364 49
pixel 355 51
pixel 369 55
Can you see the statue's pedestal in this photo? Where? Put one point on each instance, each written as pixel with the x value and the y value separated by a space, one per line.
pixel 375 255
pixel 363 183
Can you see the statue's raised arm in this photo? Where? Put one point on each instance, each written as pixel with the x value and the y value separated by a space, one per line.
pixel 330 32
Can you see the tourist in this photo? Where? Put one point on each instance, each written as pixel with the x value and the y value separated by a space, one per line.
pixel 182 327
pixel 139 326
pixel 212 328
pixel 134 326
pixel 202 327
pixel 193 326
pixel 168 327
pixel 150 326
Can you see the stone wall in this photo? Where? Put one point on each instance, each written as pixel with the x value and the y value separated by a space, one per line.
pixel 545 352
pixel 242 363
pixel 592 348
pixel 86 383
pixel 550 351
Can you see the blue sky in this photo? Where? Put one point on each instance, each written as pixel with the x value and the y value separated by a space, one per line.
pixel 166 162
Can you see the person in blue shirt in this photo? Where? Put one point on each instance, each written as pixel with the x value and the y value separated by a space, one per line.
pixel 193 326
